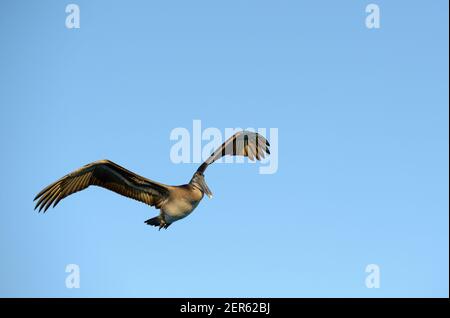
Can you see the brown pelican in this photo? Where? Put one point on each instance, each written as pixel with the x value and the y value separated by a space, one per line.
pixel 174 202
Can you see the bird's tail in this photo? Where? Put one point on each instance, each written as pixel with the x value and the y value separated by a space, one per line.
pixel 156 221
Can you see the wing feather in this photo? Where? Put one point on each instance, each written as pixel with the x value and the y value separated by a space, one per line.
pixel 243 143
pixel 108 175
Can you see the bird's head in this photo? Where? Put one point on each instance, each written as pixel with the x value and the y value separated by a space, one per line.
pixel 198 181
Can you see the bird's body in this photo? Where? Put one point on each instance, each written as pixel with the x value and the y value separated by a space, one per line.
pixel 174 202
pixel 181 202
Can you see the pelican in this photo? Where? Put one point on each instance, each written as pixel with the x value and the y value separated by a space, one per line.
pixel 174 202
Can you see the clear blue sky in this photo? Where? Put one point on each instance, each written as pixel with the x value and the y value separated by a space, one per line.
pixel 363 127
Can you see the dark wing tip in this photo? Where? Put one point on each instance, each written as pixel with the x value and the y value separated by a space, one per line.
pixel 37 204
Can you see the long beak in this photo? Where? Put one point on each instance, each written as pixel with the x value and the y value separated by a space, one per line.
pixel 206 190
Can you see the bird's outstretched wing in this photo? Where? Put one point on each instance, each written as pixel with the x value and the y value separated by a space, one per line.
pixel 243 143
pixel 105 174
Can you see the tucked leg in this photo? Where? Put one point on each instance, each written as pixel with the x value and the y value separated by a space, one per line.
pixel 154 221
pixel 158 221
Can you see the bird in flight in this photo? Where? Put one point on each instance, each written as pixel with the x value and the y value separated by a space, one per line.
pixel 174 202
